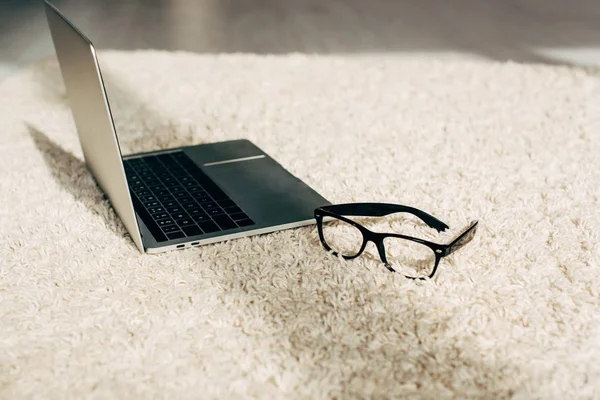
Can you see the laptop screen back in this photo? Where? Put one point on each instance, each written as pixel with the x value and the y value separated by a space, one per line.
pixel 91 112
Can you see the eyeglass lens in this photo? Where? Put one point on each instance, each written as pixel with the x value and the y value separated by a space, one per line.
pixel 343 238
pixel 409 258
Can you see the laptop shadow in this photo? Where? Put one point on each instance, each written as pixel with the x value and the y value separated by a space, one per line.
pixel 68 171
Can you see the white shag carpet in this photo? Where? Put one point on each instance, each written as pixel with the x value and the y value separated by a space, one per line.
pixel 513 314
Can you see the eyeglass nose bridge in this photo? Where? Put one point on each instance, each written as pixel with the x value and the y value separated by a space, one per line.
pixel 378 242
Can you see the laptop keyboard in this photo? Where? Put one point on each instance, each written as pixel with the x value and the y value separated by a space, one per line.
pixel 175 199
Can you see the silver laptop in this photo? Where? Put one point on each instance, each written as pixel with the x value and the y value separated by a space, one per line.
pixel 180 197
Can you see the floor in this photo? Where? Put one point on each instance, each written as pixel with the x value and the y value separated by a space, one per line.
pixel 546 31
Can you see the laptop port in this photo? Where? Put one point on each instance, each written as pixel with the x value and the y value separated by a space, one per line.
pixel 195 243
pixel 180 246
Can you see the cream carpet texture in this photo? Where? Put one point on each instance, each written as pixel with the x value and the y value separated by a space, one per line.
pixel 515 314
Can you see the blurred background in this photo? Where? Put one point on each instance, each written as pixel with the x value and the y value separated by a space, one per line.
pixel 539 31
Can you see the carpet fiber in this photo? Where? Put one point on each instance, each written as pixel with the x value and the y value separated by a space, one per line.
pixel 513 314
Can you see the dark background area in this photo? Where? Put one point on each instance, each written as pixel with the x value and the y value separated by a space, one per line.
pixel 546 31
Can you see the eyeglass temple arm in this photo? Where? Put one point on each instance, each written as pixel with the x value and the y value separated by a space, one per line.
pixel 462 238
pixel 383 209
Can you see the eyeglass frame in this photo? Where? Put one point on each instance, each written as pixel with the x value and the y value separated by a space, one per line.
pixel 440 250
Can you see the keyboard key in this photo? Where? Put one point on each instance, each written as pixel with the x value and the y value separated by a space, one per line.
pixel 215 211
pixel 165 222
pixel 170 228
pixel 166 159
pixel 233 210
pixel 187 163
pixel 196 190
pixel 156 210
pixel 150 160
pixel 185 222
pixel 152 183
pixel 192 230
pixel 181 194
pixel 245 222
pixel 179 215
pixel 238 216
pixel 174 210
pixel 156 168
pixel 163 175
pixel 142 192
pixel 175 235
pixel 146 199
pixel 170 204
pixel 190 206
pixel 204 199
pixel 165 199
pixel 201 218
pixel 177 189
pixel 151 204
pixel 185 199
pixel 209 205
pixel 196 211
pixel 224 222
pixel 226 203
pixel 154 165
pixel 163 215
pixel 172 184
pixel 208 227
pixel 178 172
pixel 162 192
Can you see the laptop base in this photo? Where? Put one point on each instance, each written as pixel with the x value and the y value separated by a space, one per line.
pixel 257 194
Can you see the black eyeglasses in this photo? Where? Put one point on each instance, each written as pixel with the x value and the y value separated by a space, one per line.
pixel 413 257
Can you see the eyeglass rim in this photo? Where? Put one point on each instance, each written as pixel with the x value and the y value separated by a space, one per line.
pixel 378 235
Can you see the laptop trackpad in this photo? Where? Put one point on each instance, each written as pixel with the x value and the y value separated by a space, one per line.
pixel 265 190
pixel 252 177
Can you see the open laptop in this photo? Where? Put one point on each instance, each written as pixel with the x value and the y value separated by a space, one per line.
pixel 180 197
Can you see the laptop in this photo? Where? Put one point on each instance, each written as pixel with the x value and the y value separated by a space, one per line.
pixel 180 197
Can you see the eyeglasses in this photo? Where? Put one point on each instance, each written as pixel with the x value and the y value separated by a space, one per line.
pixel 413 257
